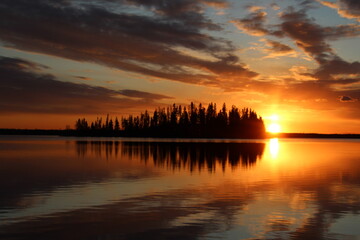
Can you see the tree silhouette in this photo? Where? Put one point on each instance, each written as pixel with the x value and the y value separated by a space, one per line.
pixel 177 121
pixel 117 125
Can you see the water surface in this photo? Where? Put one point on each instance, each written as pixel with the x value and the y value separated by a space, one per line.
pixel 107 188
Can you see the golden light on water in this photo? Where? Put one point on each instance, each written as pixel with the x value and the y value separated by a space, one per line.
pixel 274 147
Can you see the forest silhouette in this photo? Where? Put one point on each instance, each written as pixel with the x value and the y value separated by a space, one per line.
pixel 180 122
pixel 193 156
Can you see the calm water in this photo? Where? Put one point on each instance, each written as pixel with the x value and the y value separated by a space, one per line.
pixel 68 188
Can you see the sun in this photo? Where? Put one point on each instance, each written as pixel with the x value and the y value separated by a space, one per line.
pixel 274 128
pixel 273 125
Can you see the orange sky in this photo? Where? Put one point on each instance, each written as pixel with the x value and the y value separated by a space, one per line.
pixel 298 60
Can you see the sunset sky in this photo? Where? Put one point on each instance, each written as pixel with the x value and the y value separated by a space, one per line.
pixel 296 62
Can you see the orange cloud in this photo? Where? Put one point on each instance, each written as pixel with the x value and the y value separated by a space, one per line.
pixel 277 49
pixel 345 8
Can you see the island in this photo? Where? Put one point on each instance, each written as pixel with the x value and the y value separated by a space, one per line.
pixel 176 121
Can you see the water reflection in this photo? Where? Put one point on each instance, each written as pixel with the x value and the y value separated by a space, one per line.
pixel 274 147
pixel 129 190
pixel 179 155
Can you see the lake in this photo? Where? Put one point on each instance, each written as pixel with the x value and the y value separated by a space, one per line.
pixel 117 188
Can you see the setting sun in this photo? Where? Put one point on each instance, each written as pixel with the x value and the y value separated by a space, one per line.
pixel 274 128
pixel 273 125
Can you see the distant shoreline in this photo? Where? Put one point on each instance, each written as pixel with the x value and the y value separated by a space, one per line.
pixel 73 133
pixel 313 135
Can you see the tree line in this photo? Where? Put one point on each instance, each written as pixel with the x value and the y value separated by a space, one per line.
pixel 193 121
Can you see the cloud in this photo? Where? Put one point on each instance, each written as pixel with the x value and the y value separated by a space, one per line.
pixel 143 95
pixel 142 42
pixel 150 40
pixel 186 11
pixel 347 99
pixel 337 66
pixel 254 8
pixel 20 64
pixel 309 36
pixel 277 49
pixel 307 93
pixel 329 83
pixel 219 4
pixel 301 73
pixel 306 4
pixel 83 78
pixel 255 23
pixel 319 88
pixel 274 6
pixel 22 90
pixel 345 8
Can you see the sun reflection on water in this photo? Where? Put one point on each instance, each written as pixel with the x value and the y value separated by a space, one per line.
pixel 243 190
pixel 274 147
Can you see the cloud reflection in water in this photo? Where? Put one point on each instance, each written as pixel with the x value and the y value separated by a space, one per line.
pixel 163 190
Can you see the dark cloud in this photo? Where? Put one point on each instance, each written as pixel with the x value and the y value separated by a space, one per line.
pixel 188 11
pixel 332 71
pixel 143 95
pixel 83 78
pixel 20 64
pixel 307 4
pixel 147 44
pixel 352 6
pixel 279 47
pixel 346 99
pixel 307 34
pixel 255 24
pixel 341 31
pixel 333 78
pixel 341 81
pixel 311 37
pixel 346 8
pixel 24 91
pixel 337 66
